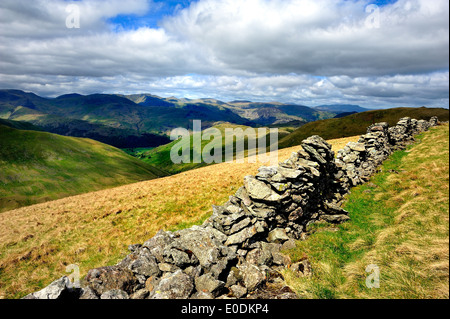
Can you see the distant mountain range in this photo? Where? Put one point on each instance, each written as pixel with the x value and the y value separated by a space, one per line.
pixel 144 120
pixel 341 108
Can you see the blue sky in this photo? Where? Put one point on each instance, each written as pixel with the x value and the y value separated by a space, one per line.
pixel 160 9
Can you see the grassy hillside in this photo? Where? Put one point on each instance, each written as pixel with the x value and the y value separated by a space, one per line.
pixel 399 222
pixel 120 138
pixel 20 125
pixel 160 156
pixel 39 166
pixel 356 124
pixel 92 230
pixel 402 224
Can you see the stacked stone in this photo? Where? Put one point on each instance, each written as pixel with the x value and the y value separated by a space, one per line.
pixel 358 161
pixel 236 252
pixel 422 126
pixel 401 134
pixel 434 121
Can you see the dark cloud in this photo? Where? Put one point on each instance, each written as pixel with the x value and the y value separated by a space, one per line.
pixel 300 51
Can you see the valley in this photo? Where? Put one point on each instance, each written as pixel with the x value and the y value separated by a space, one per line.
pixel 94 229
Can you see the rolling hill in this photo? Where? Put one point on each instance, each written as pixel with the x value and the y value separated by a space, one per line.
pixel 141 120
pixel 20 125
pixel 160 156
pixel 95 229
pixel 40 166
pixel 109 118
pixel 357 123
pixel 341 108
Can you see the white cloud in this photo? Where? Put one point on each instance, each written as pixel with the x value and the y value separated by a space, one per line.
pixel 302 51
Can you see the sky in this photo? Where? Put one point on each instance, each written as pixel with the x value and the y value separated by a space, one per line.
pixel 377 54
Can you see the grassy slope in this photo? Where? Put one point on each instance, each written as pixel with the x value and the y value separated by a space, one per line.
pixel 160 156
pixel 400 223
pixel 356 124
pixel 20 125
pixel 38 166
pixel 94 229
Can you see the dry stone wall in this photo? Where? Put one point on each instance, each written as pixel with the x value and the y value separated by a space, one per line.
pixel 236 253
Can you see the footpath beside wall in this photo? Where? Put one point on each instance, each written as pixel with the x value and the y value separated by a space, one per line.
pixel 236 252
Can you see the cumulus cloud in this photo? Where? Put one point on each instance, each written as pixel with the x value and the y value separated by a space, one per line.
pixel 319 37
pixel 301 51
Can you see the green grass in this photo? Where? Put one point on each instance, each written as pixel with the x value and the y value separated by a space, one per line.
pixel 94 229
pixel 399 222
pixel 38 166
pixel 356 124
pixel 160 156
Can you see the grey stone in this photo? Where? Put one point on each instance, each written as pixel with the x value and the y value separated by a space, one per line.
pixel 56 290
pixel 306 163
pixel 202 295
pixel 242 194
pixel 240 225
pixel 202 243
pixel 166 267
pixel 314 154
pixel 335 219
pixel 307 187
pixel 244 234
pixel 88 293
pixel 290 173
pixel 157 244
pixel 114 294
pixel 358 147
pixel 259 256
pixel 281 259
pixel 281 187
pixel 266 172
pixel 289 244
pixel 175 286
pixel 278 235
pixel 350 158
pixel 140 294
pixel 207 283
pixel 333 209
pixel 193 271
pixel 219 268
pixel 134 247
pixel 233 277
pixel 179 258
pixel 252 276
pixel 146 266
pixel 151 284
pixel 238 291
pixel 111 277
pixel 259 190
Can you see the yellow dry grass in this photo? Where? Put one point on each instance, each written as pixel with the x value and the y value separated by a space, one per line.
pixel 91 230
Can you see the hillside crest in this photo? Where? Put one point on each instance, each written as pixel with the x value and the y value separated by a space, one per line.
pixel 236 252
